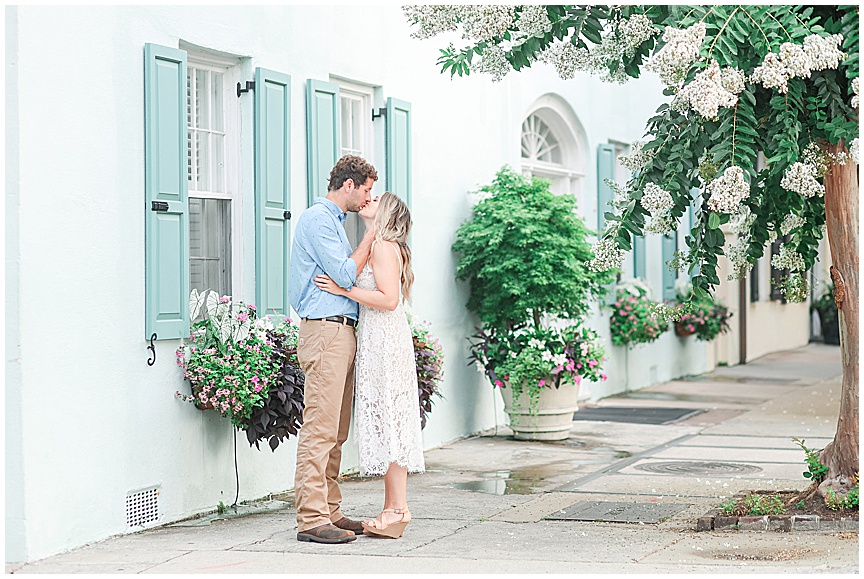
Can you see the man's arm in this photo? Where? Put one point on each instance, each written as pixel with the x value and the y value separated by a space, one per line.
pixel 361 254
pixel 327 250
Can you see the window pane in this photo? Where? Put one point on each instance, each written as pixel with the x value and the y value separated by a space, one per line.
pixel 346 123
pixel 202 158
pixel 218 159
pixel 357 126
pixel 202 113
pixel 218 123
pixel 189 89
pixel 210 245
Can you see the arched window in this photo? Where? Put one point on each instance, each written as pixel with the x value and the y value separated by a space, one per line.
pixel 552 145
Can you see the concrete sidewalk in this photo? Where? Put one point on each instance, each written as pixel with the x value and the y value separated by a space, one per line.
pixel 480 508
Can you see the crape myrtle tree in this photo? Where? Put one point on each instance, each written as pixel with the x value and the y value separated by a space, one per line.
pixel 761 123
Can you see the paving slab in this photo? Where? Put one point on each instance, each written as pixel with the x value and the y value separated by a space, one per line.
pixel 766 471
pixel 738 454
pixel 744 441
pixel 655 485
pixel 823 552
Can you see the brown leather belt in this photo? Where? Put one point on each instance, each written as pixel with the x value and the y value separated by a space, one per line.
pixel 338 319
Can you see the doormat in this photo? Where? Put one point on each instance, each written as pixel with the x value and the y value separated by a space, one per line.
pixel 636 415
pixel 609 512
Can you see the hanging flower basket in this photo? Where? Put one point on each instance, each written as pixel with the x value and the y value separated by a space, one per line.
pixel 683 330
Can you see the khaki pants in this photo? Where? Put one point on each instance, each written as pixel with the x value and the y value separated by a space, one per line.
pixel 326 354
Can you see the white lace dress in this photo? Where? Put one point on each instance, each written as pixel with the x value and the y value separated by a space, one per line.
pixel 386 400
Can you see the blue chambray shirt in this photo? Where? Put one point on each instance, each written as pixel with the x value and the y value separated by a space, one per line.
pixel 321 246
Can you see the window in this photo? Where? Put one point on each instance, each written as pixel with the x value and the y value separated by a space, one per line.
pixel 357 137
pixel 212 149
pixel 552 145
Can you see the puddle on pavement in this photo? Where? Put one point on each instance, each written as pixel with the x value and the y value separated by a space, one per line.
pixel 525 480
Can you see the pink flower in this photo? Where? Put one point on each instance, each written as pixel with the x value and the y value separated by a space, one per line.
pixel 579 365
pixel 224 300
pixel 541 383
pixel 558 369
pixel 499 383
pixel 242 317
pixel 506 377
pixel 592 363
pixel 258 387
pixel 578 379
pixel 604 376
pixel 252 307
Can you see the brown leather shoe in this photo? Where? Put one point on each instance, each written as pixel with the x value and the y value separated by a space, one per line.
pixel 326 533
pixel 349 525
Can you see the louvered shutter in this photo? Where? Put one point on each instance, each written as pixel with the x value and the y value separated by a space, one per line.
pixel 398 146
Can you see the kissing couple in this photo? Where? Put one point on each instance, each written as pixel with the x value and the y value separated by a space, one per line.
pixel 355 343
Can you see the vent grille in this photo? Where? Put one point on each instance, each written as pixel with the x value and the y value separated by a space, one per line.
pixel 142 507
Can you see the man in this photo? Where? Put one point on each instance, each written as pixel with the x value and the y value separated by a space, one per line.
pixel 326 347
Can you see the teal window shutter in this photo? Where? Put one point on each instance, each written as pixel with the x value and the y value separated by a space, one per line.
pixel 639 268
pixel 166 230
pixel 272 190
pixel 605 170
pixel 398 146
pixel 323 134
pixel 670 245
pixel 695 194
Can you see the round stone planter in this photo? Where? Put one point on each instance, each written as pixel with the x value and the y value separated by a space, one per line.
pixel 553 419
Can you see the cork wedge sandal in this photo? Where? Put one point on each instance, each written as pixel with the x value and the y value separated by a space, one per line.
pixel 395 529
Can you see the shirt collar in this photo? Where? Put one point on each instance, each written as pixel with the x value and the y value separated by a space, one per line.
pixel 333 208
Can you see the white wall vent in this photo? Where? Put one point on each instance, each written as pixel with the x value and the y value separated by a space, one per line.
pixel 142 507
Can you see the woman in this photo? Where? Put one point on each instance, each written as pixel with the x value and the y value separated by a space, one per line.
pixel 386 401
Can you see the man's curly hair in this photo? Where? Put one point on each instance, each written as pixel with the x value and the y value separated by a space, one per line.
pixel 351 167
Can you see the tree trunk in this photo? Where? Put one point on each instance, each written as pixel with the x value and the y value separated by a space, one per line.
pixel 841 214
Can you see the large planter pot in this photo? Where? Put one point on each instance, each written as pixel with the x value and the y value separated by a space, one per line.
pixel 553 418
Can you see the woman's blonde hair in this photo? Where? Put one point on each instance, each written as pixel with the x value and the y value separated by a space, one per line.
pixel 393 223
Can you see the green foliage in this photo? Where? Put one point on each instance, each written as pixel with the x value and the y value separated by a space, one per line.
pixel 221 508
pixel 815 109
pixel 707 318
pixel 757 505
pixel 728 506
pixel 816 471
pixel 800 505
pixel 842 503
pixel 632 321
pixel 524 253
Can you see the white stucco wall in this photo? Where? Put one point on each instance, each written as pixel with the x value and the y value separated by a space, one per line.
pixel 89 420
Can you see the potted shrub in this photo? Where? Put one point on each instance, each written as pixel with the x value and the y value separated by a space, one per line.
pixel 826 308
pixel 632 320
pixel 538 371
pixel 524 254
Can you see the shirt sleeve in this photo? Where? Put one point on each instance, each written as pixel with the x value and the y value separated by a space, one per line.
pixel 326 248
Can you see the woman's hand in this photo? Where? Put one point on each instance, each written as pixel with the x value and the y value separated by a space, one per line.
pixel 328 285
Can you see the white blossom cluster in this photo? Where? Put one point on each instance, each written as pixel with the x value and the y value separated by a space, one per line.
pixel 788 258
pixel 618 44
pixel 795 288
pixel 566 58
pixel 682 48
pixel 656 200
pixel 533 20
pixel 790 223
pixel 637 158
pixel 742 221
pixel 854 102
pixel 607 255
pixel 853 149
pixel 801 178
pixel 712 89
pixel 634 31
pixel 822 159
pixel 432 19
pixel 661 223
pixel 494 62
pixel 728 190
pixel 737 254
pixel 483 22
pixel 797 61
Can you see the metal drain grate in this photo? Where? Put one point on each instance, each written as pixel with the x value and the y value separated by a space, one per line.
pixel 142 507
pixel 688 468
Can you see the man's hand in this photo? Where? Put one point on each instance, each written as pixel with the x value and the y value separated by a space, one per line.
pixel 328 285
